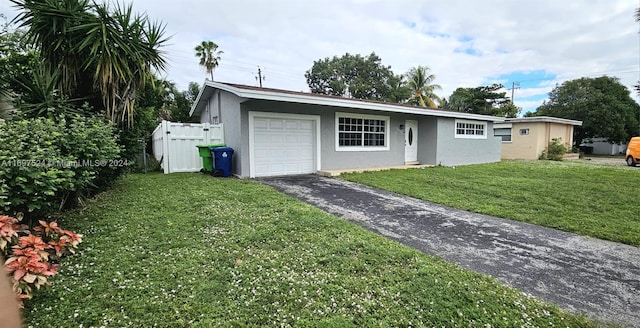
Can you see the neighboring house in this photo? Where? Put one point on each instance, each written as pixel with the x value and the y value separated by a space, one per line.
pixel 528 137
pixel 278 132
pixel 600 146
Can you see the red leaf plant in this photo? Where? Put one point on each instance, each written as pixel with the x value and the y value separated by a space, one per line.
pixel 31 255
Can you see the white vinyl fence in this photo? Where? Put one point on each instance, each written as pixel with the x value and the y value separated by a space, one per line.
pixel 174 144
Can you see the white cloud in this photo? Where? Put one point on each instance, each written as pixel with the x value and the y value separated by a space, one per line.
pixel 568 39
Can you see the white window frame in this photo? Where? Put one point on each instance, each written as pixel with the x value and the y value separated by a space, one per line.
pixel 524 131
pixel 503 135
pixel 362 147
pixel 470 136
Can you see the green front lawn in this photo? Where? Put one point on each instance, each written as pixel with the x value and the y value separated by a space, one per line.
pixel 594 200
pixel 189 250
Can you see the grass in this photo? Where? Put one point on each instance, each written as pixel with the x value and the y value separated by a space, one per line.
pixel 188 250
pixel 620 156
pixel 593 200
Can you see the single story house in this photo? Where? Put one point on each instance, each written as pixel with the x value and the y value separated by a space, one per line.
pixel 279 132
pixel 528 137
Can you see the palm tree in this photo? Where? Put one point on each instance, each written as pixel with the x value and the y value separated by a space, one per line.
pixel 95 49
pixel 421 84
pixel 209 56
pixel 124 51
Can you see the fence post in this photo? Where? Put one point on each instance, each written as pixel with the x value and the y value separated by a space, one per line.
pixel 165 146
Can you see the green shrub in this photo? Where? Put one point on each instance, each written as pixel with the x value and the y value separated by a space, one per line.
pixel 555 151
pixel 47 164
pixel 131 139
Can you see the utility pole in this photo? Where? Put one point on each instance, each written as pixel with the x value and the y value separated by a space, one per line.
pixel 260 77
pixel 514 85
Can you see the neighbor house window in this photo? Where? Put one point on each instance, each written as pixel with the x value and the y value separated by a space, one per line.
pixel 503 133
pixel 471 129
pixel 524 132
pixel 361 132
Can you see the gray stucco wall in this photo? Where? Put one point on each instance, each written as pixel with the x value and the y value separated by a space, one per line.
pixel 436 136
pixel 330 158
pixel 459 151
pixel 212 109
pixel 428 140
pixel 205 114
pixel 230 117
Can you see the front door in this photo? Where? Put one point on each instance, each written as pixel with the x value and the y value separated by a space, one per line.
pixel 411 142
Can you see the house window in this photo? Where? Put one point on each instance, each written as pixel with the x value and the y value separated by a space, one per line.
pixel 524 132
pixel 503 133
pixel 471 129
pixel 361 132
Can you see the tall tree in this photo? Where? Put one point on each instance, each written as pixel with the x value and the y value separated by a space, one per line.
pixel 352 76
pixel 399 91
pixel 183 102
pixel 603 104
pixel 209 56
pixel 95 48
pixel 420 81
pixel 485 100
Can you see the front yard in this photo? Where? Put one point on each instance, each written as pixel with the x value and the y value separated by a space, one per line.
pixel 188 250
pixel 577 196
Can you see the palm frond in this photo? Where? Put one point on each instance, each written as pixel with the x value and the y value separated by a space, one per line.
pixel 209 56
pixel 420 80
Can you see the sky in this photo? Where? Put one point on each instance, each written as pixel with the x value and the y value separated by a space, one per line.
pixel 532 45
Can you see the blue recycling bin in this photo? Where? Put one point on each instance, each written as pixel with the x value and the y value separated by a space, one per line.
pixel 222 161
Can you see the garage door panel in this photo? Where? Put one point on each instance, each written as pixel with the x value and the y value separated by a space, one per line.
pixel 306 125
pixel 261 169
pixel 262 153
pixel 292 125
pixel 292 139
pixel 276 124
pixel 305 139
pixel 293 153
pixel 260 124
pixel 283 146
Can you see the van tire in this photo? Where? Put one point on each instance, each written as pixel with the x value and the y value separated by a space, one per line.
pixel 630 161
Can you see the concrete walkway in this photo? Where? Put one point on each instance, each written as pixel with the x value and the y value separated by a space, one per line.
pixel 582 275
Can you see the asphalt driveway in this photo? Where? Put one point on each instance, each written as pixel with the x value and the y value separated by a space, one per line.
pixel 580 274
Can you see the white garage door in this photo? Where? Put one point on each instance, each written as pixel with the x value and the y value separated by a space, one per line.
pixel 283 146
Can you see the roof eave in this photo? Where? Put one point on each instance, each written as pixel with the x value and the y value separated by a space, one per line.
pixel 344 103
pixel 196 107
pixel 544 119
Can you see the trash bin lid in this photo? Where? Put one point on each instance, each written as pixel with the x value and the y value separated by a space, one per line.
pixel 210 145
pixel 221 149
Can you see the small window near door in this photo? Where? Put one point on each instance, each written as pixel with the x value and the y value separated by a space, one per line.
pixel 470 129
pixel 524 132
